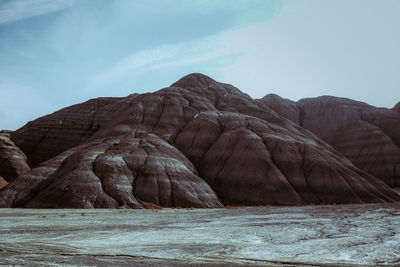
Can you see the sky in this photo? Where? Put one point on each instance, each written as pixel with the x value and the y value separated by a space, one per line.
pixel 56 53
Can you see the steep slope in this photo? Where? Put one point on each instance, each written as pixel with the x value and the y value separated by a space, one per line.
pixel 195 143
pixel 397 107
pixel 368 136
pixel 12 159
pixel 47 136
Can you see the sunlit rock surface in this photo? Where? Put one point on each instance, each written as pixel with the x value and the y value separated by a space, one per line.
pixel 368 136
pixel 3 182
pixel 196 143
pixel 364 235
pixel 13 161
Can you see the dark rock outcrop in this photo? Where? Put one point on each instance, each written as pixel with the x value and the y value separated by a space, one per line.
pixel 117 172
pixel 196 143
pixel 368 136
pixel 249 161
pixel 12 159
pixel 284 107
pixel 397 107
pixel 52 134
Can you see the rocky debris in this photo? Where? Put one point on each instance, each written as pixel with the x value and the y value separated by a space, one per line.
pixel 3 182
pixel 196 143
pixel 12 159
pixel 368 136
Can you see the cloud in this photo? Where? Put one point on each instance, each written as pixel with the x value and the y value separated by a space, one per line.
pixel 165 56
pixel 21 9
pixel 100 47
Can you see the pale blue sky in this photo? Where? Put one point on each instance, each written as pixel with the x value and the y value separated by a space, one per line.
pixel 55 53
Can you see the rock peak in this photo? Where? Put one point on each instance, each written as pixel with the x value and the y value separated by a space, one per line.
pixel 194 80
pixel 332 100
pixel 273 97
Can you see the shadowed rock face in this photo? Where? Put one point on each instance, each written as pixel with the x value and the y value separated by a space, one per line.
pixel 368 136
pixel 12 159
pixel 196 143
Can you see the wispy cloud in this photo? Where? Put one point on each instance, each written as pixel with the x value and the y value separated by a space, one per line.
pixel 165 56
pixel 21 9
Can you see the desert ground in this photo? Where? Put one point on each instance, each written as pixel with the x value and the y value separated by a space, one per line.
pixel 261 236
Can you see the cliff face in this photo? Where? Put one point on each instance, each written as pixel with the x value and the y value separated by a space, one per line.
pixel 368 136
pixel 196 143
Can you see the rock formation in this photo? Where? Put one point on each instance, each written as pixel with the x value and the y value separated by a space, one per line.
pixel 284 107
pixel 368 136
pixel 3 182
pixel 49 135
pixel 196 143
pixel 124 171
pixel 397 107
pixel 12 159
pixel 5 133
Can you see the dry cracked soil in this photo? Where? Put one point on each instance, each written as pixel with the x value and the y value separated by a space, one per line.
pixel 335 235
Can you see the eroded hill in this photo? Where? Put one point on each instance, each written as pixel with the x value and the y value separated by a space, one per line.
pixel 197 143
pixel 368 136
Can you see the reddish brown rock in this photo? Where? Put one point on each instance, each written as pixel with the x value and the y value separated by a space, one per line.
pixel 12 159
pixel 117 172
pixel 50 135
pixel 195 143
pixel 3 182
pixel 397 107
pixel 248 161
pixel 283 106
pixel 368 136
